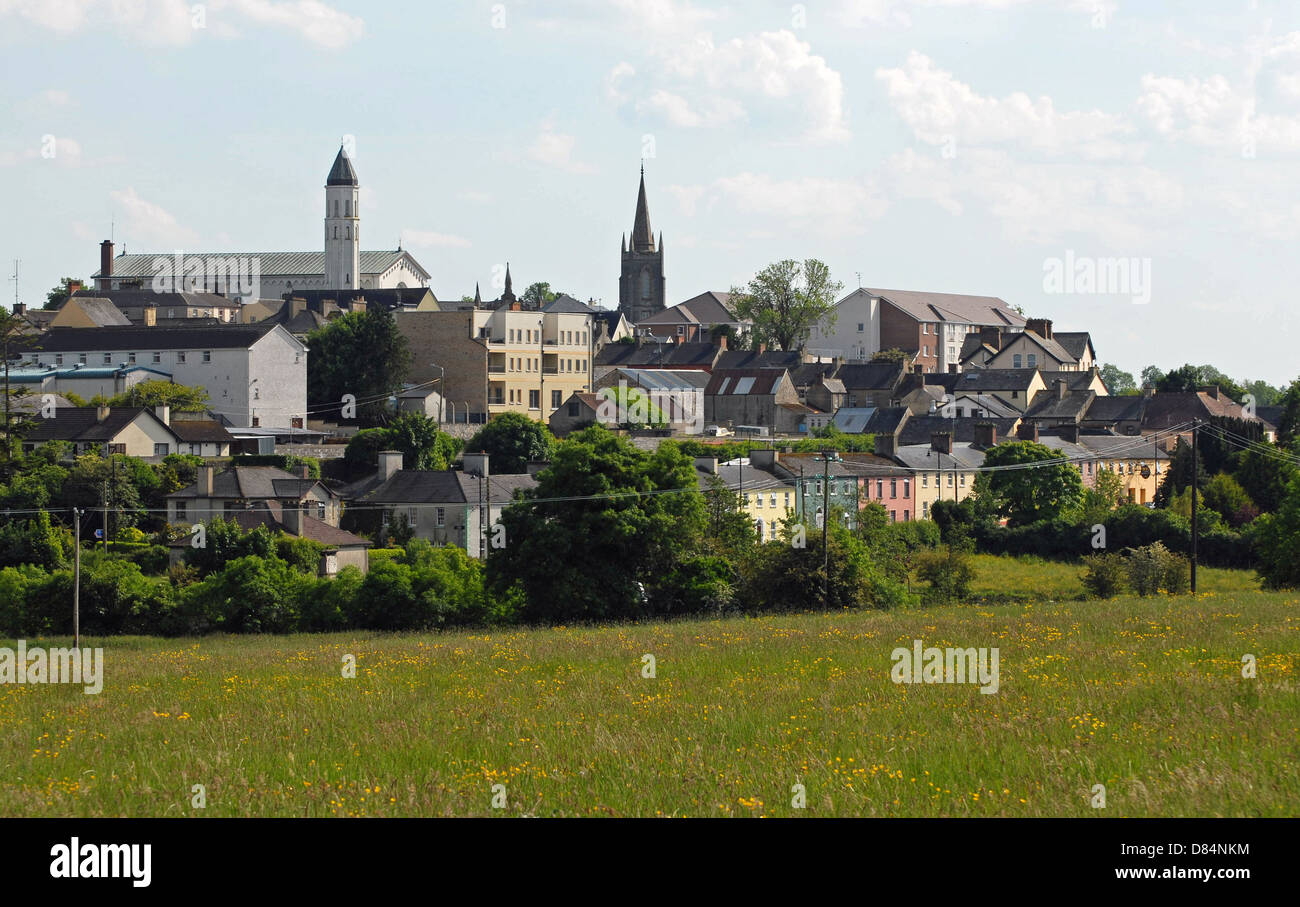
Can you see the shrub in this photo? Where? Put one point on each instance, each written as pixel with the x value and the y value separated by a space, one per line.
pixel 1154 567
pixel 949 573
pixel 1105 575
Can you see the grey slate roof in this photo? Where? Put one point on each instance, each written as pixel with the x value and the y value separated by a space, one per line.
pixel 444 486
pixel 754 359
pixel 254 483
pixel 918 429
pixel 924 306
pixel 882 375
pixel 853 420
pixel 100 310
pixel 81 423
pixel 270 264
pixel 658 355
pixel 180 337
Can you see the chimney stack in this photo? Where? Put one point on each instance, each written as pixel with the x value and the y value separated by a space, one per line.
pixel 291 517
pixel 707 464
pixel 476 464
pixel 1027 431
pixel 886 445
pixel 991 336
pixel 1068 432
pixel 390 461
pixel 986 435
pixel 304 471
pixel 104 281
pixel 1061 390
pixel 20 308
pixel 764 458
pixel 101 412
pixel 164 413
pixel 1040 326
pixel 941 441
pixel 205 481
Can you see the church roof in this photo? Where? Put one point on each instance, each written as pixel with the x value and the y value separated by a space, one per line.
pixel 342 174
pixel 642 239
pixel 270 264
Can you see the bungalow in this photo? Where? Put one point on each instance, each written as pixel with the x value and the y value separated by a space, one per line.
pixel 131 430
pixel 240 488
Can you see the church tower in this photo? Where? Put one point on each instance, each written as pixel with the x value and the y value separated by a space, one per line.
pixel 641 284
pixel 342 227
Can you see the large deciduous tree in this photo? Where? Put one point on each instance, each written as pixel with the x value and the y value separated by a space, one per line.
pixel 1031 492
pixel 512 441
pixel 362 354
pixel 785 299
pixel 609 532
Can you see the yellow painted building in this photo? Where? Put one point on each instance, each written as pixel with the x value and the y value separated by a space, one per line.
pixel 536 359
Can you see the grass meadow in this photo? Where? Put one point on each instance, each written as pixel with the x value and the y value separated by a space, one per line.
pixel 1145 696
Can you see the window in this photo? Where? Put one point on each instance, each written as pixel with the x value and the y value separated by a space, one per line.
pixel 439 516
pixel 758 500
pixel 893 516
pixel 905 516
pixel 925 510
pixel 555 400
pixel 1033 360
pixel 180 357
pixel 157 357
pixel 1015 361
pixel 108 358
pixel 58 359
pixel 82 358
pixel 907 488
pixel 320 512
pixel 573 409
pixel 160 450
pixel 880 488
pixel 861 327
pixel 207 355
pixel 180 511
pixel 130 358
pixel 893 488
pixel 534 399
pixel 925 480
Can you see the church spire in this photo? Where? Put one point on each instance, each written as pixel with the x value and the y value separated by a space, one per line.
pixel 642 239
pixel 509 294
pixel 478 300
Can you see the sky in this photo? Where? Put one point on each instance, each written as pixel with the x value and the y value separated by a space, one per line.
pixel 1009 148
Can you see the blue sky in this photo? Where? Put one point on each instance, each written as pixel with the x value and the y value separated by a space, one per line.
pixel 949 145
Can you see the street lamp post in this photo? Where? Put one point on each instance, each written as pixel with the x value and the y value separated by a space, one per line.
pixel 442 393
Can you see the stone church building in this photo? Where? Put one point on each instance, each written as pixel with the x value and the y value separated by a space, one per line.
pixel 248 276
pixel 641 284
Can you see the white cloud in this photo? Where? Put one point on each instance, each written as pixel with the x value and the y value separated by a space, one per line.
pixel 860 13
pixel 826 207
pixel 178 22
pixel 772 79
pixel 942 110
pixel 427 239
pixel 614 81
pixel 149 223
pixel 1212 113
pixel 555 149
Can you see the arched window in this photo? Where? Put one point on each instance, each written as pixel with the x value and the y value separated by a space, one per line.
pixel 336 207
pixel 347 231
pixel 347 208
pixel 336 231
pixel 645 283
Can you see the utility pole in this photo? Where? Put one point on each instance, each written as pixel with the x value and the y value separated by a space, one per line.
pixel 1196 492
pixel 76 577
pixel 826 522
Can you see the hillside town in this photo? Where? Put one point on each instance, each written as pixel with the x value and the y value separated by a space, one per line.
pixel 934 380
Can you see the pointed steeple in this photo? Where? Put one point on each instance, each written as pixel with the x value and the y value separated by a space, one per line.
pixel 509 294
pixel 342 174
pixel 623 244
pixel 478 300
pixel 642 239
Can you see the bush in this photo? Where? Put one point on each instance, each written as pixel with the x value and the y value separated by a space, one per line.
pixel 1105 575
pixel 1154 567
pixel 949 573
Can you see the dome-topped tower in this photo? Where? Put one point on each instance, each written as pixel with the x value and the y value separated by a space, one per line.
pixel 342 226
